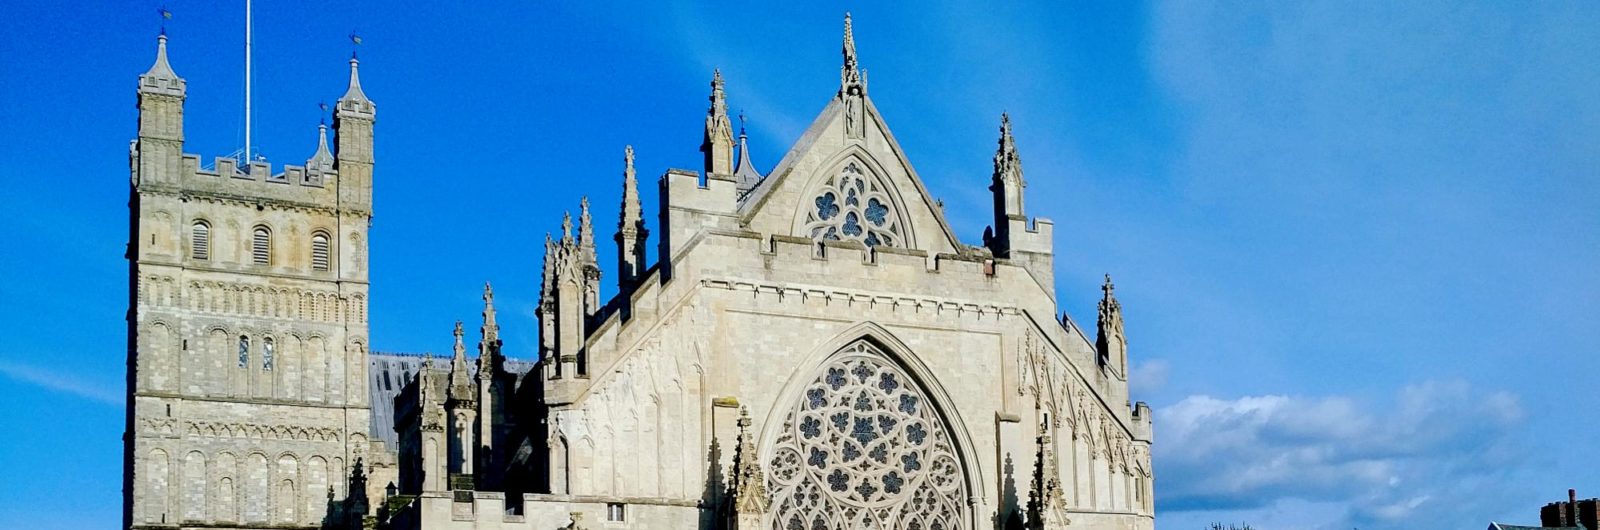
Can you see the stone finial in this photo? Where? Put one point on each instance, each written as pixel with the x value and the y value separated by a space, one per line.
pixel 160 79
pixel 851 76
pixel 566 228
pixel 460 348
pixel 585 224
pixel 1111 343
pixel 491 329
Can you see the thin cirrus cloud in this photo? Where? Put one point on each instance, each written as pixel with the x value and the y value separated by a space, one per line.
pixel 1388 463
pixel 62 383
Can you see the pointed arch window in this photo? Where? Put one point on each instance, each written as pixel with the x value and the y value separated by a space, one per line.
pixel 261 246
pixel 863 447
pixel 200 241
pixel 853 206
pixel 320 259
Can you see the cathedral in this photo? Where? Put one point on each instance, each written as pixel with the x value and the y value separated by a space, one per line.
pixel 812 348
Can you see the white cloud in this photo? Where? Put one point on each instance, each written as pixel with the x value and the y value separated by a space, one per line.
pixel 1389 464
pixel 62 383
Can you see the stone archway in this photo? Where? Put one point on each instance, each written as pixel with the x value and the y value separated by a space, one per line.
pixel 864 446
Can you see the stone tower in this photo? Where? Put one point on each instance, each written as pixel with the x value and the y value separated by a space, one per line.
pixel 247 325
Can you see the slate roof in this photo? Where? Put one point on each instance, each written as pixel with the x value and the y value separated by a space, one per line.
pixel 1499 526
pixel 387 373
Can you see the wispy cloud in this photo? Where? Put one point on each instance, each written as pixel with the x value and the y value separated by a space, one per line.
pixel 62 383
pixel 1391 464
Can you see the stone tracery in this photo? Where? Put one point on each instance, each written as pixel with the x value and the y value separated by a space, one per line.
pixel 863 448
pixel 852 206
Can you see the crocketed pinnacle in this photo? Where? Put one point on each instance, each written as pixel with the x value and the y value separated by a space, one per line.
pixel 1007 163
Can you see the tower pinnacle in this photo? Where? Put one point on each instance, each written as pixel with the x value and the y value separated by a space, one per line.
pixel 323 158
pixel 631 233
pixel 718 144
pixel 160 79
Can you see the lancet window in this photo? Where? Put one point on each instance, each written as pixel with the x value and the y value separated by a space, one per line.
pixel 852 206
pixel 864 448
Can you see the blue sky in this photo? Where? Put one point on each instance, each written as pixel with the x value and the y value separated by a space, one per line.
pixel 1358 247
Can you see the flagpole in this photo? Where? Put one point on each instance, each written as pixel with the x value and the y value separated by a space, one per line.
pixel 248 24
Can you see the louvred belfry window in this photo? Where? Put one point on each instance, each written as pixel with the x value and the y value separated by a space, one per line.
pixel 200 241
pixel 261 246
pixel 319 252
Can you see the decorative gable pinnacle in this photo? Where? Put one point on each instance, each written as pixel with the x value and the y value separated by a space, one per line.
pixel 1007 163
pixel 852 79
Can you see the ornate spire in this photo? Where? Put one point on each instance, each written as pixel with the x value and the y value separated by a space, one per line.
pixel 1110 342
pixel 160 79
pixel 323 159
pixel 718 144
pixel 1006 184
pixel 749 483
pixel 745 176
pixel 1044 497
pixel 632 212
pixel 631 233
pixel 850 75
pixel 1007 164
pixel 490 329
pixel 489 345
pixel 460 381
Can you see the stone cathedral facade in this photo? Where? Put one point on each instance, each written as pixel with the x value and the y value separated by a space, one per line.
pixel 812 347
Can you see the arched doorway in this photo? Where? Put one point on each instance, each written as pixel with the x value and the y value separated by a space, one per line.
pixel 863 446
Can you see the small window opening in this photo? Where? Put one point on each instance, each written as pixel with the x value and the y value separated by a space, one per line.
pixel 200 242
pixel 244 351
pixel 616 512
pixel 319 252
pixel 261 246
pixel 266 354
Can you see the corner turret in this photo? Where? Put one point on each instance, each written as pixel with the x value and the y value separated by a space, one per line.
pixel 1011 237
pixel 158 152
pixel 352 123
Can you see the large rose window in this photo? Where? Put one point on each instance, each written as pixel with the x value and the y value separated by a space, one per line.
pixel 863 448
pixel 851 206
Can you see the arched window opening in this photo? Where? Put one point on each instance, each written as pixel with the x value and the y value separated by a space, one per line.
pixel 320 261
pixel 261 246
pixel 200 241
pixel 266 353
pixel 244 351
pixel 863 447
